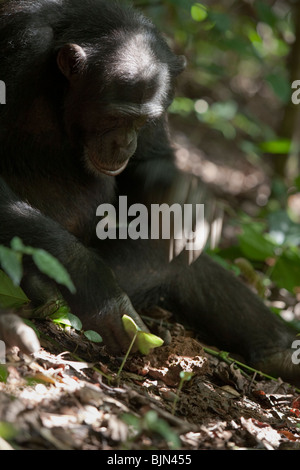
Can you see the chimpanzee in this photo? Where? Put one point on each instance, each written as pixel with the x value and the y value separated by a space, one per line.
pixel 87 88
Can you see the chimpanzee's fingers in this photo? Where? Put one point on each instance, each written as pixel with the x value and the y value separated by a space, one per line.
pixel 14 332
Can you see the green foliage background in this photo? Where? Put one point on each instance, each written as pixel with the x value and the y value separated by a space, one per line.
pixel 235 50
pixel 242 59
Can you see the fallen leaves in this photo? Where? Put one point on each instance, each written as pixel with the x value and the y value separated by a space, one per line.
pixel 56 402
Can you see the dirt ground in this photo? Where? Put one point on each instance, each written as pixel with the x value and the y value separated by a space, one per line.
pixel 62 400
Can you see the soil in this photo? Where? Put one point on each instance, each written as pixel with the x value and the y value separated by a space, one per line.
pixel 61 400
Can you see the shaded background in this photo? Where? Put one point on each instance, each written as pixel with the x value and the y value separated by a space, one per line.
pixel 234 125
pixel 242 58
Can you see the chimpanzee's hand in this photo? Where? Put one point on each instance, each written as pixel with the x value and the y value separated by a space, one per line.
pixel 108 322
pixel 99 301
pixel 14 332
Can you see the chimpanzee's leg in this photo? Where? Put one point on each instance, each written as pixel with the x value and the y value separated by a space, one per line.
pixel 207 297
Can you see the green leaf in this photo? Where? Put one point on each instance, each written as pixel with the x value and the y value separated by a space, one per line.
pixel 67 319
pixel 279 146
pixel 48 308
pixel 17 245
pixel 62 309
pixel 145 341
pixel 7 430
pixel 93 336
pixel 265 13
pixel 286 272
pixel 254 244
pixel 198 12
pixel 11 296
pixel 132 420
pixel 50 266
pixel 222 21
pixel 186 375
pixel 130 326
pixel 297 182
pixel 148 341
pixel 3 376
pixel 11 263
pixel 160 426
pixel 280 85
pixel 237 44
pixel 221 258
pixel 46 263
pixel 182 105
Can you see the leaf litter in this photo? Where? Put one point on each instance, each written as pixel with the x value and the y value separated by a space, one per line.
pixel 68 397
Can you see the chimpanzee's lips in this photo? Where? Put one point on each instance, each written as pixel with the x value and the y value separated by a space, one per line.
pixel 113 170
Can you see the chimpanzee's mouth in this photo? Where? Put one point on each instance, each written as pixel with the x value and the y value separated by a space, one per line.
pixel 114 169
pixel 111 171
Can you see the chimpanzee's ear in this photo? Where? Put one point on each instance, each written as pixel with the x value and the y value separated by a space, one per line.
pixel 71 60
pixel 181 63
pixel 177 65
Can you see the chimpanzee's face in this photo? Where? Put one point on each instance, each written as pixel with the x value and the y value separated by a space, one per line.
pixel 129 100
pixel 107 105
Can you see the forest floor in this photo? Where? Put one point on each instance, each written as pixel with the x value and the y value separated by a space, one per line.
pixel 69 396
pixel 61 400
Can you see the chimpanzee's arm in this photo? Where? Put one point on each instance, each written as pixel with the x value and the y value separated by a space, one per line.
pixel 98 300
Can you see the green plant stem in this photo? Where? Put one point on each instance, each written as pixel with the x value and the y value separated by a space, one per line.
pixel 230 360
pixel 126 355
pixel 177 396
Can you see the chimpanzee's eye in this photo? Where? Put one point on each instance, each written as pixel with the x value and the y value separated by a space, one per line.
pixel 140 122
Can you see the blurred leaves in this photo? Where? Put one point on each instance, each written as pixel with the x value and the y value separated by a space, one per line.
pixel 11 295
pixel 278 146
pixel 198 12
pixel 272 246
pixel 237 52
pixel 11 262
pixel 238 84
